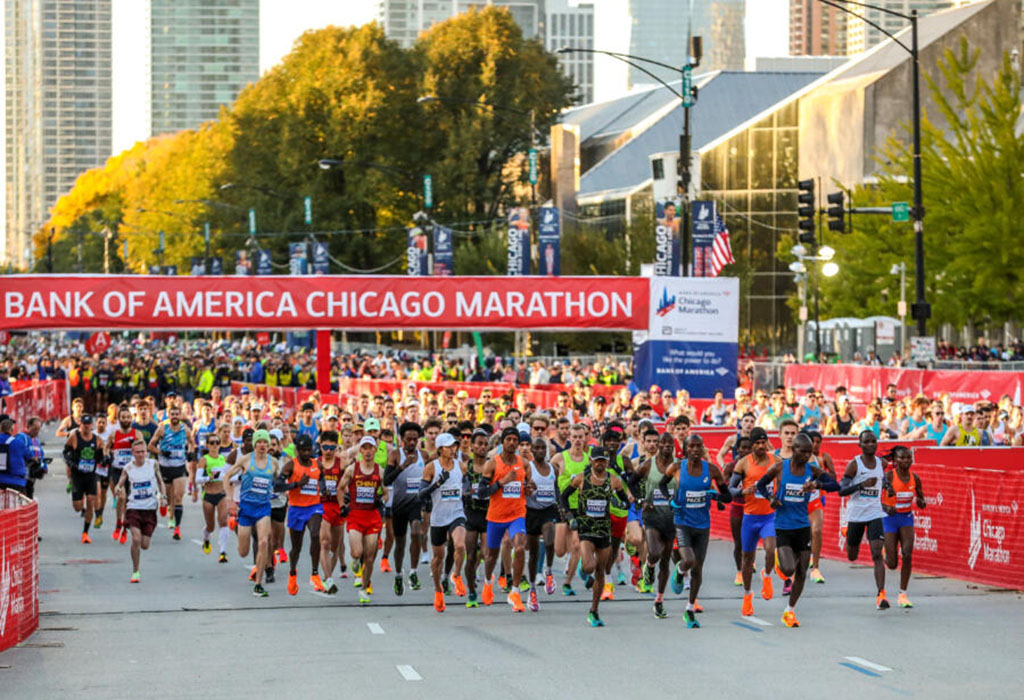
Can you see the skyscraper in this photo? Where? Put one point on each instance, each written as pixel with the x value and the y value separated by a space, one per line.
pixel 861 36
pixel 201 55
pixel 816 29
pixel 58 107
pixel 570 23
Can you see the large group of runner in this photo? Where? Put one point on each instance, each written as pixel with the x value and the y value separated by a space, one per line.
pixel 487 493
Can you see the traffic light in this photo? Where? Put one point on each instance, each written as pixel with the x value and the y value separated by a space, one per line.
pixel 806 211
pixel 836 212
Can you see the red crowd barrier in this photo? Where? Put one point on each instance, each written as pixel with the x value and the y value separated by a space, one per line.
pixel 19 580
pixel 48 400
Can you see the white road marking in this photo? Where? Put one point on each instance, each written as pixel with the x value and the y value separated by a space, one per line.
pixel 758 621
pixel 198 542
pixel 867 664
pixel 409 673
pixel 375 628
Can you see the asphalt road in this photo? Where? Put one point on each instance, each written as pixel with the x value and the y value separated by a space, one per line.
pixel 193 629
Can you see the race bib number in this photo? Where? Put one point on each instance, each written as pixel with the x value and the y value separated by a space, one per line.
pixel 696 499
pixel 545 494
pixel 142 490
pixel 904 498
pixel 794 493
pixel 86 466
pixel 513 489
pixel 412 479
pixel 177 454
pixel 102 469
pixel 771 490
pixel 596 507
pixel 869 493
pixel 658 498
pixel 451 493
pixel 310 488
pixel 260 485
pixel 364 494
pixel 122 458
pixel 332 487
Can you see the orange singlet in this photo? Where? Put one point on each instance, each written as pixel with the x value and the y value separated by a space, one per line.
pixel 509 503
pixel 903 502
pixel 308 495
pixel 756 504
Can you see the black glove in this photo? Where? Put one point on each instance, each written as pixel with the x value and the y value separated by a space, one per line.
pixel 573 525
pixel 70 456
pixel 190 456
pixel 345 510
pixel 443 476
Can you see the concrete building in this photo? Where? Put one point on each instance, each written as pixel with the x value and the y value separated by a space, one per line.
pixel 861 36
pixel 58 107
pixel 201 56
pixel 570 23
pixel 816 29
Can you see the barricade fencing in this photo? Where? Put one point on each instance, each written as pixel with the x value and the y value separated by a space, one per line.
pixel 47 399
pixel 19 578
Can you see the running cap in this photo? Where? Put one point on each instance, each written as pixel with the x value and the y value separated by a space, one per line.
pixel 597 453
pixel 276 433
pixel 966 408
pixel 248 433
pixel 260 435
pixel 245 390
pixel 86 419
pixel 301 442
pixel 238 419
pixel 371 424
pixel 368 440
pixel 524 436
pixel 758 434
pixel 523 427
pixel 445 440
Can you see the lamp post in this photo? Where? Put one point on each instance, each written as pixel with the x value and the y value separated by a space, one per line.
pixel 829 269
pixel 900 269
pixel 921 311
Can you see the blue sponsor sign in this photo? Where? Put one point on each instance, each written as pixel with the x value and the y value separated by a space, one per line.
pixel 321 259
pixel 704 218
pixel 416 252
pixel 667 250
pixel 549 240
pixel 444 253
pixel 519 241
pixel 297 258
pixel 263 262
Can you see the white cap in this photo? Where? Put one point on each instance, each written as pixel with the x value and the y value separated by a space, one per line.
pixel 523 427
pixel 367 440
pixel 967 408
pixel 445 440
pixel 276 433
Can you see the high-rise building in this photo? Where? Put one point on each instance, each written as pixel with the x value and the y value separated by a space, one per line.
pixel 57 55
pixel 816 29
pixel 861 36
pixel 201 56
pixel 570 23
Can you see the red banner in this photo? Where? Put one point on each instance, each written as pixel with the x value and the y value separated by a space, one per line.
pixel 364 301
pixel 48 400
pixel 19 581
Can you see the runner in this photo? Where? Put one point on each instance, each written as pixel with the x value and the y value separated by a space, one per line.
pixel 301 476
pixel 104 432
pixel 758 516
pixel 361 494
pixel 592 521
pixel 140 516
pixel 403 474
pixel 620 465
pixel 173 444
pixel 207 476
pixel 816 507
pixel 541 516
pixel 120 448
pixel 71 423
pixel 82 452
pixel 475 506
pixel 659 528
pixel 797 479
pixel 568 464
pixel 258 474
pixel 729 449
pixel 902 490
pixel 691 508
pixel 742 449
pixel 442 485
pixel 332 535
pixel 864 512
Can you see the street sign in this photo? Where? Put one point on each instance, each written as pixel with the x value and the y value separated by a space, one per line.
pixel 252 221
pixel 428 191
pixel 687 88
pixel 307 208
pixel 206 233
pixel 533 166
pixel 162 247
pixel 900 211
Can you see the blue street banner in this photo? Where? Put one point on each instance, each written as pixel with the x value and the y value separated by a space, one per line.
pixel 263 262
pixel 704 218
pixel 243 263
pixel 154 269
pixel 216 266
pixel 444 253
pixel 197 265
pixel 667 251
pixel 297 258
pixel 549 240
pixel 692 336
pixel 518 241
pixel 321 259
pixel 416 252
pixel 169 270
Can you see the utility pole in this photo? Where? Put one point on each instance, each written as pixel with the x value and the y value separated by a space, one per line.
pixel 689 91
pixel 80 267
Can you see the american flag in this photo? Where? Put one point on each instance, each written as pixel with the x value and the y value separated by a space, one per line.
pixel 721 249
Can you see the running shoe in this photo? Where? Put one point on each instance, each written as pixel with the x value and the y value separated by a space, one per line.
pixel 787 586
pixel 647 577
pixel 385 565
pixel 567 589
pixel 206 547
pixel 268 575
pixel 686 581
pixel 588 579
pixel 903 601
pixel 677 581
pixel 446 587
pixel 691 620
pixel 316 583
pixel 414 581
pixel 767 591
pixel 881 602
pixel 357 568
pixel 98 522
pixel 330 588
pixel 635 570
pixel 460 586
pixel 697 607
pixel 68 487
pixel 177 533
pixel 86 539
pixel 516 601
pixel 399 585
pixel 533 603
pixel 488 594
pixel 358 582
pixel 538 580
pixel 503 584
pixel 171 524
pixel 609 591
pixel 116 534
pixel 344 572
pixel 789 619
pixel 738 581
pixel 293 584
pixel 369 589
pixel 549 583
pixel 364 597
pixel 259 591
pixel 439 601
pixel 816 576
pixel 659 610
pixel 594 620
pixel 163 510
pixel 135 578
pixel 620 580
pixel 282 556
pixel 124 536
pixel 471 601
pixel 223 559
pixel 524 585
pixel 232 522
pixel 748 604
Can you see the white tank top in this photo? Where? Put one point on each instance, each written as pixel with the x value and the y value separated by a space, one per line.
pixel 142 486
pixel 446 498
pixel 866 504
pixel 545 495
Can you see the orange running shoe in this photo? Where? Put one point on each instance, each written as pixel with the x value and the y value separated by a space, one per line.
pixel 116 534
pixel 738 581
pixel 252 574
pixel 609 591
pixel 697 607
pixel 748 604
pixel 124 536
pixel 502 583
pixel 439 601
pixel 881 602
pixel 789 619
pixel 766 585
pixel 293 584
pixel 232 523
pixel 86 539
pixel 460 586
pixel 385 565
pixel 282 556
pixel 903 601
pixel 317 584
pixel 487 597
pixel 516 601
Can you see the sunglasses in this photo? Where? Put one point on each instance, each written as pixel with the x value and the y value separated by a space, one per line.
pixel 328 448
pixel 212 442
pixel 466 436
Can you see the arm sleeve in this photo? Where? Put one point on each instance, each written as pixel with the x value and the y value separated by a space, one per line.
pixel 724 494
pixel 762 486
pixel 483 489
pixel 846 486
pixel 563 498
pixel 663 486
pixel 390 474
pixel 736 485
pixel 828 482
pixel 426 488
pixel 281 484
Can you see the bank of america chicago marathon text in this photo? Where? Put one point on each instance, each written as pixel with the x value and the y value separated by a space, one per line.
pixel 318 304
